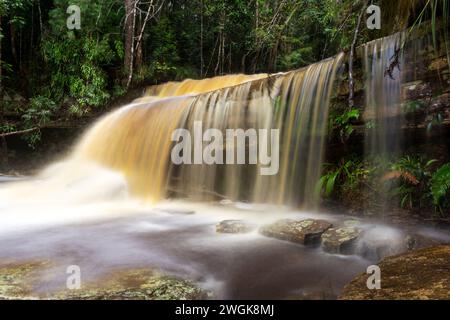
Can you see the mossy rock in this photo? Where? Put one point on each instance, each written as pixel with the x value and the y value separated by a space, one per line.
pixel 18 281
pixel 423 274
pixel 340 240
pixel 306 231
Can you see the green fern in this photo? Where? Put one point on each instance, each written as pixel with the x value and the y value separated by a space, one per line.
pixel 440 184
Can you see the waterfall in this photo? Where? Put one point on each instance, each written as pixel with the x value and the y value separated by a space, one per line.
pixel 383 60
pixel 136 140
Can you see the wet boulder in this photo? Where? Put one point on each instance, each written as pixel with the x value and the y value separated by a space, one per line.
pixel 140 284
pixel 18 281
pixel 306 232
pixel 233 226
pixel 422 274
pixel 340 240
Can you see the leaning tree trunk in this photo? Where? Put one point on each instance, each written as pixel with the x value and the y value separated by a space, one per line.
pixel 129 35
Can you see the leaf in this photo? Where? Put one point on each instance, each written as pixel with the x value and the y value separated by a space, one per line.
pixel 430 162
pixel 330 183
pixel 440 183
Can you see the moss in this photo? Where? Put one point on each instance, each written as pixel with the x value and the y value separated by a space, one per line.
pixel 141 284
pixel 17 281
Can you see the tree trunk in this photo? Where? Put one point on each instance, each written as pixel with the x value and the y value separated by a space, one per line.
pixel 139 52
pixel 132 51
pixel 129 34
pixel 351 81
pixel 12 31
pixel 3 146
pixel 201 40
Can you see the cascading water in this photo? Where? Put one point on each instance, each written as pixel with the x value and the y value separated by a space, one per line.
pixel 296 103
pixel 138 142
pixel 383 60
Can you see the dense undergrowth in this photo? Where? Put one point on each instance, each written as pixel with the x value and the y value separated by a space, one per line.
pixel 410 181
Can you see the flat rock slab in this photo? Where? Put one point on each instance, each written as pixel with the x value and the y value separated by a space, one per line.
pixel 423 274
pixel 18 282
pixel 340 240
pixel 233 226
pixel 299 231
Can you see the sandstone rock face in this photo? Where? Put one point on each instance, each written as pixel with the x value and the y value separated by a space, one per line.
pixel 18 281
pixel 299 231
pixel 340 240
pixel 233 226
pixel 422 274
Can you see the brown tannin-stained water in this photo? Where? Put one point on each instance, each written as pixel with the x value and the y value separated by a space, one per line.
pixel 119 202
pixel 125 235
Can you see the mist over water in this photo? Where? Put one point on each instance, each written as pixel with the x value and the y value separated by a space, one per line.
pixel 92 221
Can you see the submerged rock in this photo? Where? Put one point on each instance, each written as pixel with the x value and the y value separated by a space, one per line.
pixel 340 240
pixel 299 231
pixel 176 211
pixel 422 274
pixel 19 281
pixel 233 226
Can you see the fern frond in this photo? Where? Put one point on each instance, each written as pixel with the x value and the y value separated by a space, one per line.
pixel 440 183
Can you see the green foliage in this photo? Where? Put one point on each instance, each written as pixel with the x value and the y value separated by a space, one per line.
pixel 342 123
pixel 79 59
pixel 413 106
pixel 296 59
pixel 346 176
pixel 38 114
pixel 410 180
pixel 413 174
pixel 7 127
pixel 440 185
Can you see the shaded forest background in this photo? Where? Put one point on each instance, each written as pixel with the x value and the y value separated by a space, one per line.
pixel 50 74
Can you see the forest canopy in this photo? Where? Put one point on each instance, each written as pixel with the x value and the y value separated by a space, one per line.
pixel 49 72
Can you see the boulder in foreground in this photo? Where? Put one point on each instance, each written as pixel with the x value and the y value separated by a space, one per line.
pixel 423 274
pixel 19 281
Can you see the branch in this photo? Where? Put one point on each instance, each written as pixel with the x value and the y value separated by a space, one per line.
pixel 19 132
